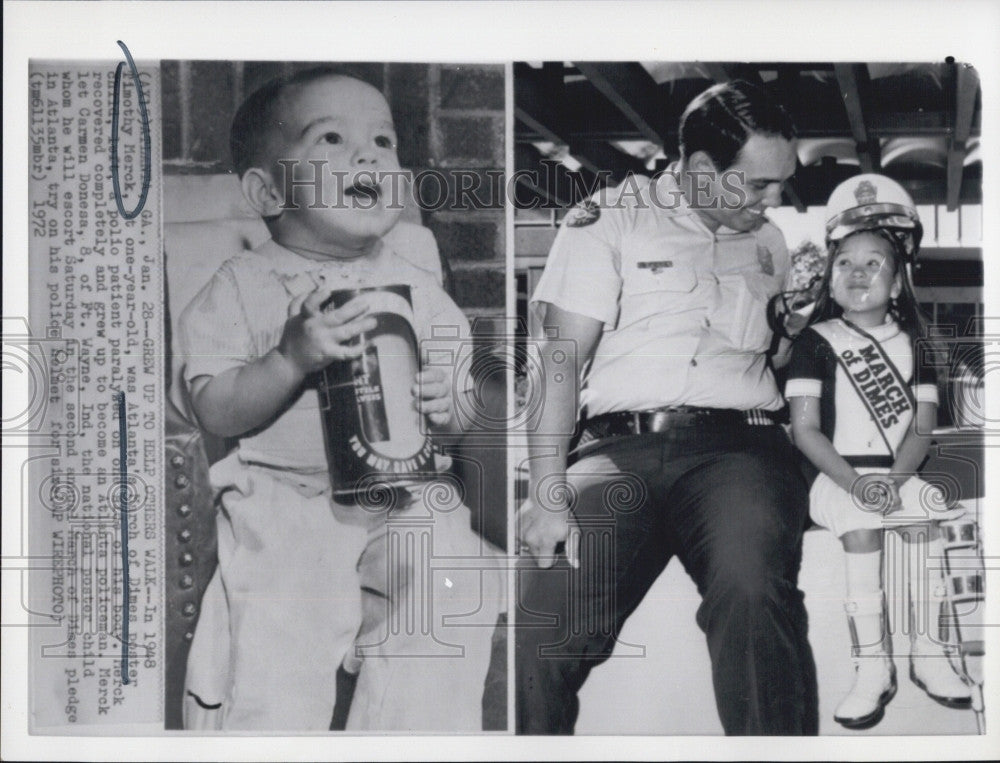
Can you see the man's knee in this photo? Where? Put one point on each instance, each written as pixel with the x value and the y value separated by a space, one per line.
pixel 748 595
pixel 763 481
pixel 556 621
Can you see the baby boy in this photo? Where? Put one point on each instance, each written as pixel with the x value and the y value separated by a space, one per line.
pixel 305 583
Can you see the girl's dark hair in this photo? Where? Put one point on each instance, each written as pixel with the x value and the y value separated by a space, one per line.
pixel 721 120
pixel 905 309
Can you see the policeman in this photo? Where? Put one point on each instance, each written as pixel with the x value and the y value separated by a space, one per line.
pixel 654 298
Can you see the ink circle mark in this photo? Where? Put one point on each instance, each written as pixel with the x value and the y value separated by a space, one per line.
pixel 146 143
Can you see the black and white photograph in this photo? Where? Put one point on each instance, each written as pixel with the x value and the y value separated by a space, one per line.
pixel 315 573
pixel 328 543
pixel 499 380
pixel 767 280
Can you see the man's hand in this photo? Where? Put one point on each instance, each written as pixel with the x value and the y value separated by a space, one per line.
pixel 313 338
pixel 794 324
pixel 877 493
pixel 542 529
pixel 432 396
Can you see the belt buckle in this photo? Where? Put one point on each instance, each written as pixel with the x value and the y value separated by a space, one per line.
pixel 658 421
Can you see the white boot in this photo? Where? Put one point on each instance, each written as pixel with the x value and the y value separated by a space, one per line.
pixel 931 670
pixel 930 666
pixel 874 686
pixel 933 673
pixel 875 673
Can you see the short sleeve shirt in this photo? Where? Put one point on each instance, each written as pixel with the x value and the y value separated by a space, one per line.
pixel 683 308
pixel 814 371
pixel 240 315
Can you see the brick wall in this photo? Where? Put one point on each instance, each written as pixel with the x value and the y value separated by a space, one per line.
pixel 449 119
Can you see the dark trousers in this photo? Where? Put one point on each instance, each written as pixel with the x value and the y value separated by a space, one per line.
pixel 731 505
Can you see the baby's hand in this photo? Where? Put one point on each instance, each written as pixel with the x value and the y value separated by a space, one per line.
pixel 432 396
pixel 877 493
pixel 313 338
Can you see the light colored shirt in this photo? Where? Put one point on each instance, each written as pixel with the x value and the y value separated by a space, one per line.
pixel 240 314
pixel 683 308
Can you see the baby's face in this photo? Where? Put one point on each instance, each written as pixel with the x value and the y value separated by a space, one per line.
pixel 339 131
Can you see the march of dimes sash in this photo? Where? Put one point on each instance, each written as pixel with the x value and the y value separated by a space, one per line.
pixel 877 381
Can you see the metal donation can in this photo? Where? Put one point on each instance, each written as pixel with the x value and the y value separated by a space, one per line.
pixel 372 431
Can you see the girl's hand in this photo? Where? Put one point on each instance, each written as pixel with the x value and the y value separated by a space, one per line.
pixel 876 493
pixel 432 396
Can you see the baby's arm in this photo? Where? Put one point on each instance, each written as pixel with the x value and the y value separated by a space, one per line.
pixel 245 397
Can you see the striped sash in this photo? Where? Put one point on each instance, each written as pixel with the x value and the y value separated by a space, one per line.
pixel 886 395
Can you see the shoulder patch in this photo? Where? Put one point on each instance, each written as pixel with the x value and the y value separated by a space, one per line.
pixel 583 214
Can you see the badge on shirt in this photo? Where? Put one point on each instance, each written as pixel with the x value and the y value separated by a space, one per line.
pixel 583 214
pixel 657 265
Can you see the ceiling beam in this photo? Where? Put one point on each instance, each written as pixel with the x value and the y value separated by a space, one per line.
pixel 815 183
pixel 721 72
pixel 747 72
pixel 716 71
pixel 529 196
pixel 541 181
pixel 604 156
pixel 855 89
pixel 585 118
pixel 633 92
pixel 966 85
pixel 552 180
pixel 810 125
pixel 536 97
pixel 910 124
pixel 534 105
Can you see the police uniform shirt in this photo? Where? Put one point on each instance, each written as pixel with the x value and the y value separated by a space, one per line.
pixel 240 315
pixel 844 418
pixel 683 308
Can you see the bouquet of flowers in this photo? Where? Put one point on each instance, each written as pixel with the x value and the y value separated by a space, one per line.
pixel 808 264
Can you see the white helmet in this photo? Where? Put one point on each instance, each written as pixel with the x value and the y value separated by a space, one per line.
pixel 866 202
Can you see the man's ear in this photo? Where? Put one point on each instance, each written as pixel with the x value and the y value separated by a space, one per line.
pixel 700 161
pixel 897 287
pixel 261 193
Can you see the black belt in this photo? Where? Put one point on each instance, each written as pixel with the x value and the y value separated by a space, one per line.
pixel 870 462
pixel 673 417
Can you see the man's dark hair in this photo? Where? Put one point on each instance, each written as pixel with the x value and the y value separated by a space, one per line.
pixel 721 120
pixel 256 119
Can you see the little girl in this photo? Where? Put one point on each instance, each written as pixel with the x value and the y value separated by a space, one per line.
pixel 861 408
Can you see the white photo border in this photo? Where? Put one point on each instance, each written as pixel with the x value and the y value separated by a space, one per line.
pixel 431 32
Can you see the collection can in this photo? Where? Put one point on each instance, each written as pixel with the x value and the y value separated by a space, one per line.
pixel 372 431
